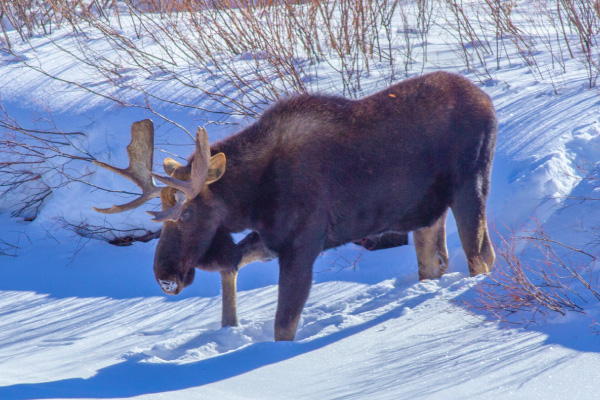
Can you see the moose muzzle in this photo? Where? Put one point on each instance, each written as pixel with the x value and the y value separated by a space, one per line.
pixel 170 287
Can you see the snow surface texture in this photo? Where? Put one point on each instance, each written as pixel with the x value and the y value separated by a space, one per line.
pixel 91 322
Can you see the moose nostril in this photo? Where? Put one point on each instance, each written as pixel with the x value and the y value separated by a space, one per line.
pixel 169 287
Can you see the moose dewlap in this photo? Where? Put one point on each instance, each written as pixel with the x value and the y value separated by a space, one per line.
pixel 315 172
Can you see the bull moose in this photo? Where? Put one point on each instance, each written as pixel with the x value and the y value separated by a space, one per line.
pixel 315 172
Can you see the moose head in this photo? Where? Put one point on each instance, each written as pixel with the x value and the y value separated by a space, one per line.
pixel 188 207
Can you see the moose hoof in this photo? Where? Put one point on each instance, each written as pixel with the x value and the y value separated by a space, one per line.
pixel 285 334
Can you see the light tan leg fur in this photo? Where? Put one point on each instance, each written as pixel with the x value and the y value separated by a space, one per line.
pixel 252 250
pixel 229 296
pixel 432 253
pixel 469 212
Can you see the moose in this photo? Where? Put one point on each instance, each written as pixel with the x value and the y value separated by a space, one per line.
pixel 317 171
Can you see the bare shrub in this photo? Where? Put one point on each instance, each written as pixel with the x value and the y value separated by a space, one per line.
pixel 287 39
pixel 34 162
pixel 233 58
pixel 547 281
pixel 584 18
pixel 566 28
pixel 29 17
pixel 501 13
pixel 251 53
pixel 107 232
pixel 8 249
pixel 472 44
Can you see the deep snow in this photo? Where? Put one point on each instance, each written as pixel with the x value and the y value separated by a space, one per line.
pixel 90 321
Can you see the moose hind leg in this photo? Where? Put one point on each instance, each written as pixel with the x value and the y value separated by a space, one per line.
pixel 432 253
pixel 253 249
pixel 469 212
pixel 386 240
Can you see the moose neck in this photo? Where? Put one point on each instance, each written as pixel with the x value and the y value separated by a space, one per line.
pixel 246 153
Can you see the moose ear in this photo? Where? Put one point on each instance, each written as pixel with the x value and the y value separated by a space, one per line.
pixel 216 168
pixel 176 170
pixel 170 166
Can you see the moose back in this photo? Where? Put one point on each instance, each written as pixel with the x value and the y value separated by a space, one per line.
pixel 315 172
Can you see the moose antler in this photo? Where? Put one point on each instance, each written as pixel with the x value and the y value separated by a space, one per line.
pixel 204 170
pixel 140 152
pixel 200 165
pixel 171 214
pixel 191 187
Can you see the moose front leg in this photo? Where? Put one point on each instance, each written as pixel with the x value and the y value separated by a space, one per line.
pixel 295 278
pixel 252 249
pixel 229 298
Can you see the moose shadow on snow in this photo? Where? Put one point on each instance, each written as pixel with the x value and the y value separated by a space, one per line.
pixel 133 378
pixel 445 350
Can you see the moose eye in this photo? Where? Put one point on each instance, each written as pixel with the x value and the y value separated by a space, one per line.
pixel 185 216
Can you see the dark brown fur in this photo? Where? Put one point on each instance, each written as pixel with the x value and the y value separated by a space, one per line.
pixel 316 172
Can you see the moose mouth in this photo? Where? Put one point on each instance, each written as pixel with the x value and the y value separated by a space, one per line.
pixel 169 287
pixel 174 283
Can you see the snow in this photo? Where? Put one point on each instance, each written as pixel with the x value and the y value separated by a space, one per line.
pixel 81 319
pixel 167 286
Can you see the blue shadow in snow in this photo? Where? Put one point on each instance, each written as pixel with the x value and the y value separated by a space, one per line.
pixel 574 333
pixel 132 378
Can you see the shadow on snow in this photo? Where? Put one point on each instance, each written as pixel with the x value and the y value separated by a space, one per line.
pixel 133 378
